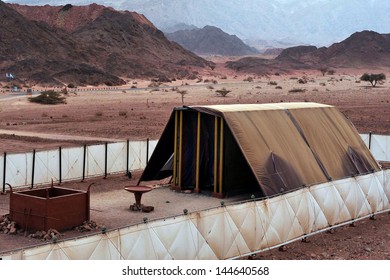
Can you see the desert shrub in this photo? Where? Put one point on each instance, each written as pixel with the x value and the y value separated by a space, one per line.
pixel 273 83
pixel 331 72
pixel 71 85
pixel 302 81
pixel 182 93
pixel 296 90
pixel 248 79
pixel 323 70
pixel 223 92
pixel 373 78
pixel 122 113
pixel 98 114
pixel 278 87
pixel 154 84
pixel 48 97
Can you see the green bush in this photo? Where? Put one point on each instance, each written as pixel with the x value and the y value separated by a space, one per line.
pixel 373 78
pixel 48 97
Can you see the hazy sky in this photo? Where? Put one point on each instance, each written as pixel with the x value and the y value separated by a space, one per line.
pixel 317 22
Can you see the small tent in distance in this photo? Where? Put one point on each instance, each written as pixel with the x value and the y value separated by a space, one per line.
pixel 265 148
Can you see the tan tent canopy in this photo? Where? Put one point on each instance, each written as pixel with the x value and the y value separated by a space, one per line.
pixel 271 148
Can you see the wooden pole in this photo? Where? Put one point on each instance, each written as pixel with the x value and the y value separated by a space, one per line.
pixel 147 151
pixel 197 155
pixel 60 164
pixel 105 159
pixel 127 156
pixel 180 148
pixel 84 160
pixel 215 154
pixel 33 170
pixel 4 170
pixel 175 152
pixel 221 158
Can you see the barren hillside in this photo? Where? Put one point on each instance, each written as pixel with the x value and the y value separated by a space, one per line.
pixel 87 45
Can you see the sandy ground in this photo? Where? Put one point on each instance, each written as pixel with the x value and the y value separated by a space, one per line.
pixel 142 112
pixel 138 112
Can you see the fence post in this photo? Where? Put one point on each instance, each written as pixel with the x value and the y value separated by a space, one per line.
pixel 105 159
pixel 4 170
pixel 369 140
pixel 33 170
pixel 60 164
pixel 147 151
pixel 84 159
pixel 127 156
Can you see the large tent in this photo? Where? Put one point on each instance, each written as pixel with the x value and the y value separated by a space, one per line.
pixel 265 148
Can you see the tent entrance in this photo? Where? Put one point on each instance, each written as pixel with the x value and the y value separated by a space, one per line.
pixel 193 151
pixel 207 157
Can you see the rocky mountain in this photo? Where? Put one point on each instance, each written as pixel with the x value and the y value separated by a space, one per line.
pixel 365 49
pixel 211 40
pixel 87 45
pixel 361 49
pixel 314 22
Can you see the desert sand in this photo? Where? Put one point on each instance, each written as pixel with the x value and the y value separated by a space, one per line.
pixel 140 110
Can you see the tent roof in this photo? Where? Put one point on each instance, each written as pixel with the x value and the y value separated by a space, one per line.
pixel 259 107
pixel 289 145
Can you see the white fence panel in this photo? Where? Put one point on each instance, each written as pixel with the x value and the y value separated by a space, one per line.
pixel 380 147
pixel 116 157
pixel 47 163
pixel 95 161
pixel 152 146
pixel 234 230
pixel 46 167
pixel 137 155
pixel 72 163
pixel 19 169
pixel 366 139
